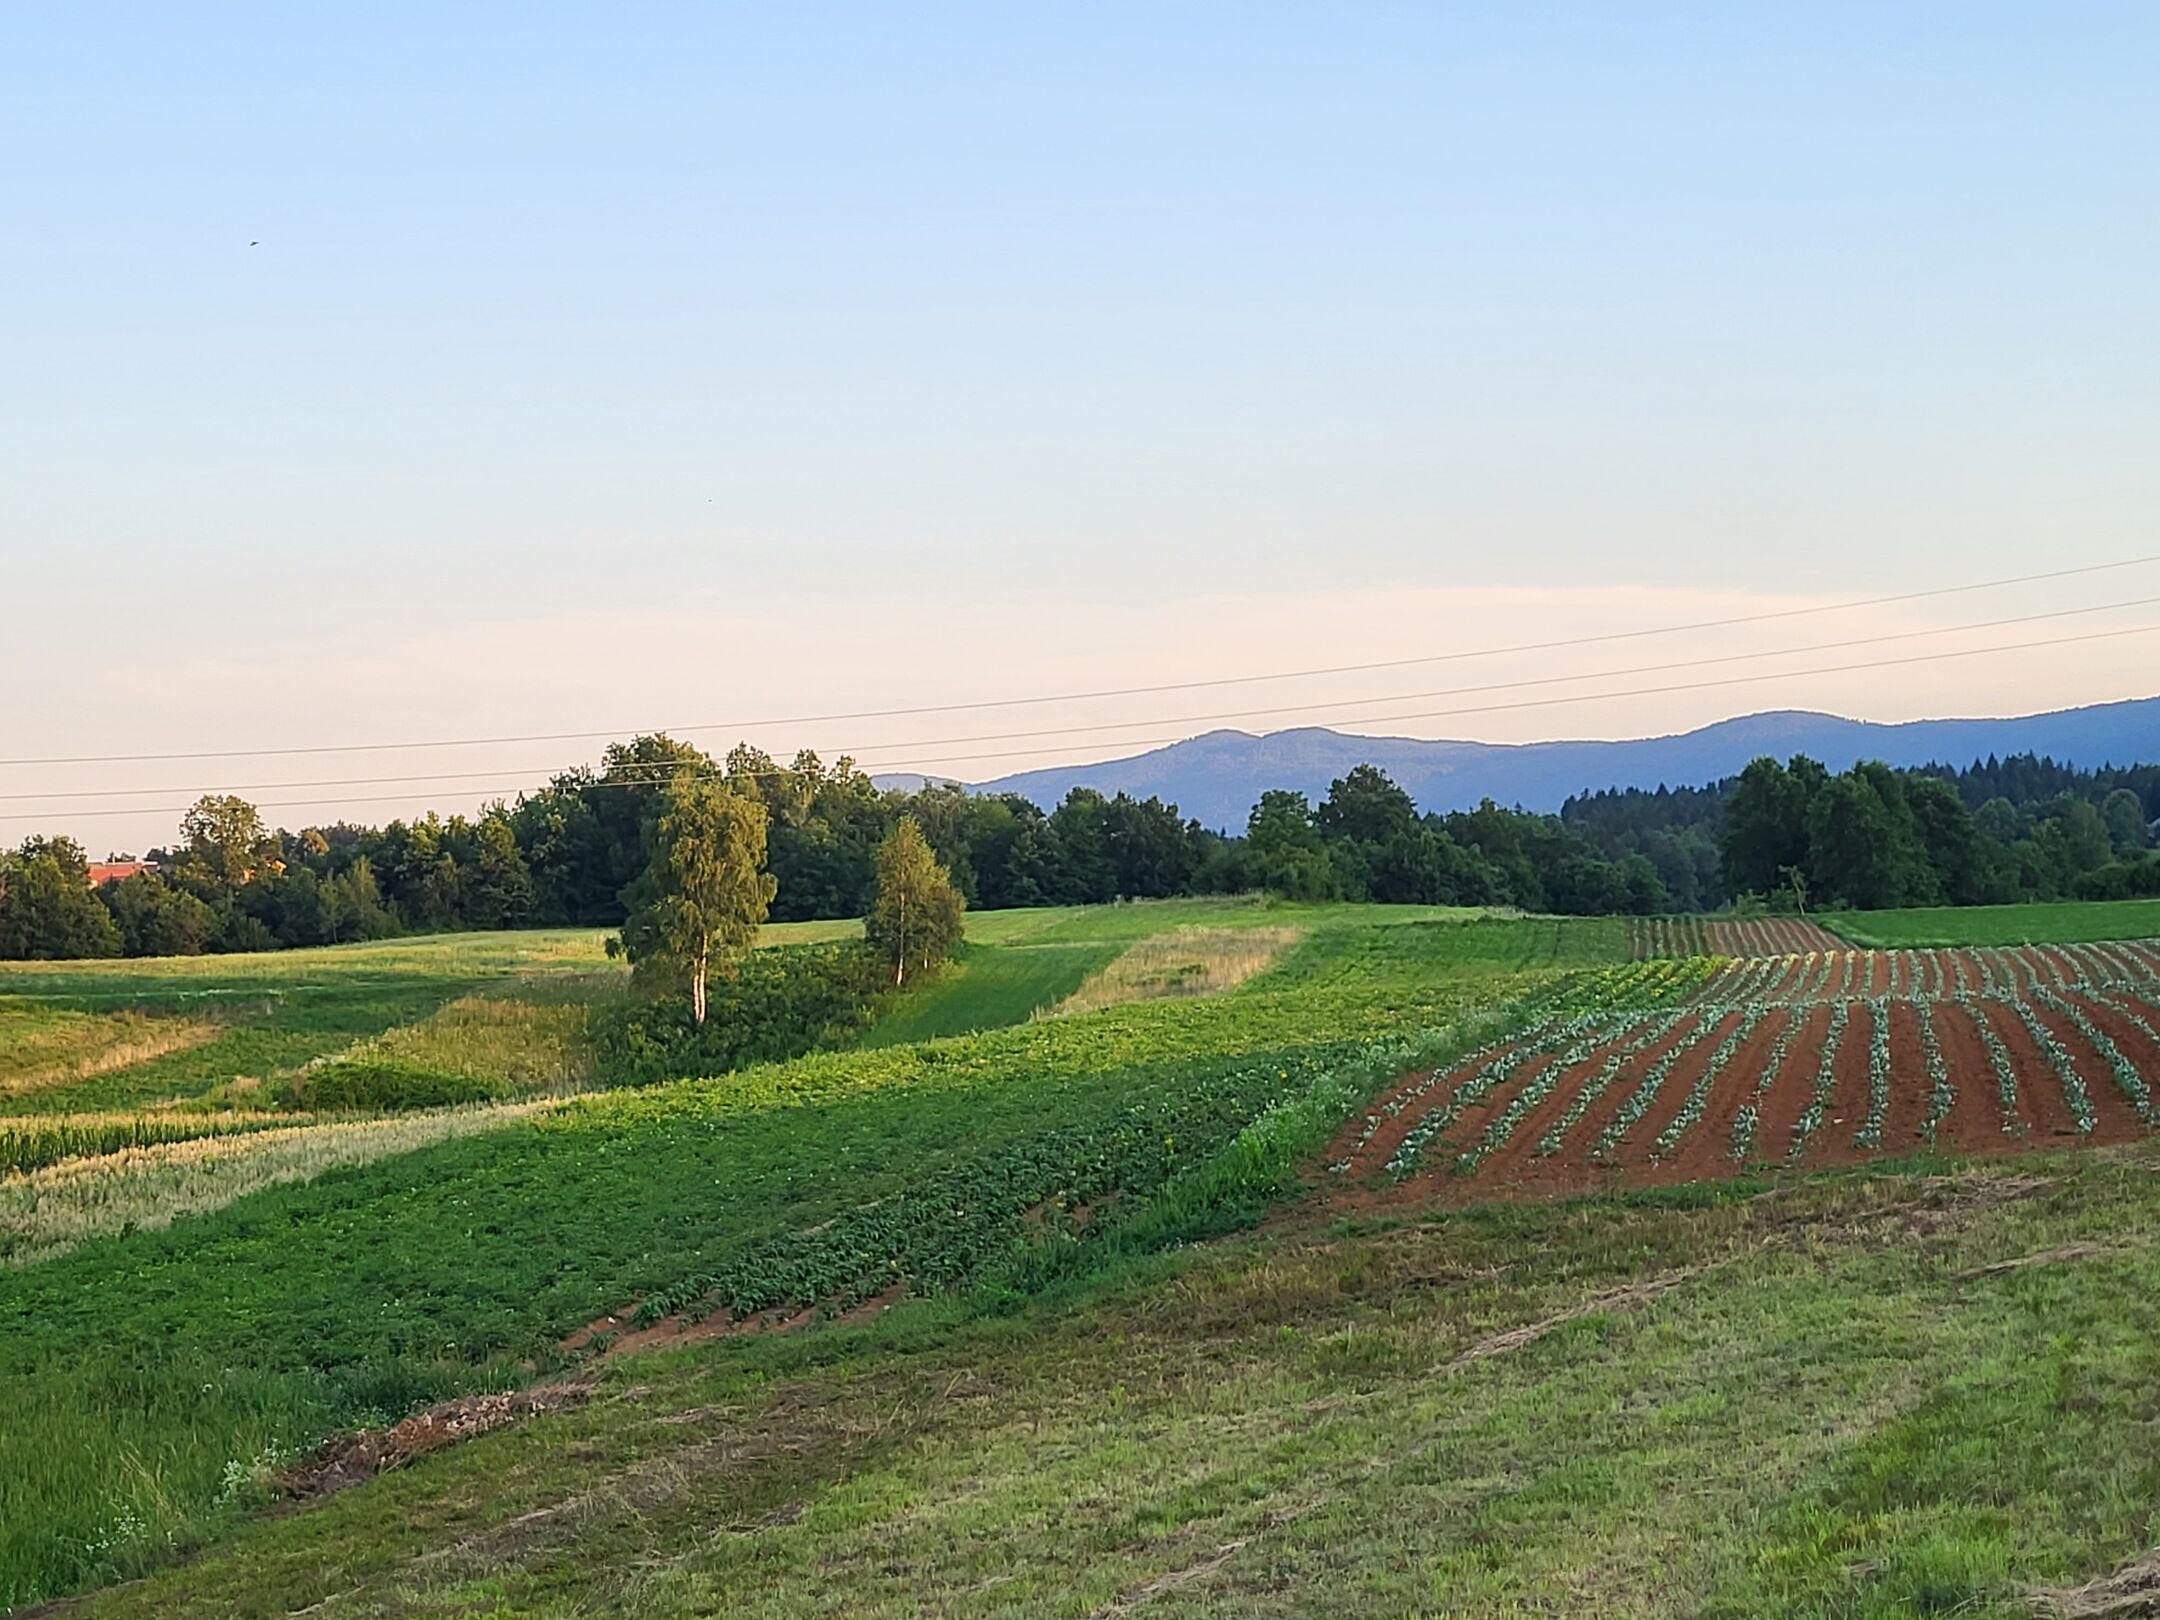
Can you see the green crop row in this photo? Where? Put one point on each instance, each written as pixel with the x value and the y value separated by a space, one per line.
pixel 33 1141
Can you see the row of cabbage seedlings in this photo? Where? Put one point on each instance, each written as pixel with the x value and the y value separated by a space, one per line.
pixel 2114 975
pixel 1603 1007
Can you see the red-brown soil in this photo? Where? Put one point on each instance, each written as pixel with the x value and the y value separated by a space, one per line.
pixel 617 1333
pixel 1911 1091
pixel 1705 1151
pixel 1740 937
pixel 2113 1119
pixel 353 1458
pixel 1912 996
pixel 1976 1119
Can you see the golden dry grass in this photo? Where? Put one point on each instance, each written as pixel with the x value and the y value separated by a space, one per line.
pixel 531 1047
pixel 1184 962
pixel 45 1050
pixel 49 1211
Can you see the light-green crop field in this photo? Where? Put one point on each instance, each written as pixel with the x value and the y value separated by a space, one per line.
pixel 2070 922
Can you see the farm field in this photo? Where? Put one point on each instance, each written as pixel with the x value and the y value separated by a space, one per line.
pixel 988 987
pixel 186 1025
pixel 1002 1349
pixel 1653 937
pixel 150 1359
pixel 2067 922
pixel 1864 1395
pixel 1676 1073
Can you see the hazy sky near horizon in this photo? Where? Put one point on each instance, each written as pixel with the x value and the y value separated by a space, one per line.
pixel 612 367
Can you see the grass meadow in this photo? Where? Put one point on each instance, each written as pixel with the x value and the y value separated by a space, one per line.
pixel 988 987
pixel 1845 1398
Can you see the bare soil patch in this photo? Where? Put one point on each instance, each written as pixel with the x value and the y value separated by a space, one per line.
pixel 362 1456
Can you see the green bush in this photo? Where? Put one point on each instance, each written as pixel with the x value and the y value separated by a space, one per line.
pixel 779 1004
pixel 385 1083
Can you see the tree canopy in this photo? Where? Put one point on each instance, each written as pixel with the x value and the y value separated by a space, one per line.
pixel 915 911
pixel 704 892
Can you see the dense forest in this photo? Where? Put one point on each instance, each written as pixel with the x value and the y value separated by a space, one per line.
pixel 567 853
pixel 1999 830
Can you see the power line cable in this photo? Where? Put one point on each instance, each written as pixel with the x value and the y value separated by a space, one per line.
pixel 1152 742
pixel 1334 704
pixel 1103 693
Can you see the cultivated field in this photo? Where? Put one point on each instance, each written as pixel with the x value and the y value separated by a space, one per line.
pixel 938 1323
pixel 175 1314
pixel 1658 1073
pixel 1653 937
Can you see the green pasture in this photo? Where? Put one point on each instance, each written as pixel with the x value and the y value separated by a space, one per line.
pixel 2069 922
pixel 988 987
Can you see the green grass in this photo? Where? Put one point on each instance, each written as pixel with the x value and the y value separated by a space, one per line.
pixel 2069 922
pixel 1801 1397
pixel 1799 1402
pixel 988 987
pixel 1134 920
pixel 276 1011
pixel 153 1361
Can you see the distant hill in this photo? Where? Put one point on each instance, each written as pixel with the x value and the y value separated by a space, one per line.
pixel 1216 777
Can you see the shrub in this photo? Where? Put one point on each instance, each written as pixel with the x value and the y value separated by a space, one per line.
pixel 779 1004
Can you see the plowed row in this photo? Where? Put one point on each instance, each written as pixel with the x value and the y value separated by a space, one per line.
pixel 1801 1061
pixel 1650 937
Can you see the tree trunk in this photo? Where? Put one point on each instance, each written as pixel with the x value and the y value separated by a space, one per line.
pixel 697 991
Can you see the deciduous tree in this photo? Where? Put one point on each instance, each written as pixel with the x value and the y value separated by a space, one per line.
pixel 705 889
pixel 915 912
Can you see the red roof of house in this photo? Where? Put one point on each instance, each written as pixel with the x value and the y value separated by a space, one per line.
pixel 103 872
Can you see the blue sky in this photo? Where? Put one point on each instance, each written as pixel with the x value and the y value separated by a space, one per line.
pixel 624 364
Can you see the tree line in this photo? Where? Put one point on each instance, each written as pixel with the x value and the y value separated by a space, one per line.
pixel 574 852
pixel 1998 831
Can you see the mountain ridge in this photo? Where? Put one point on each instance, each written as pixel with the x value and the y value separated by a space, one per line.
pixel 1215 777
